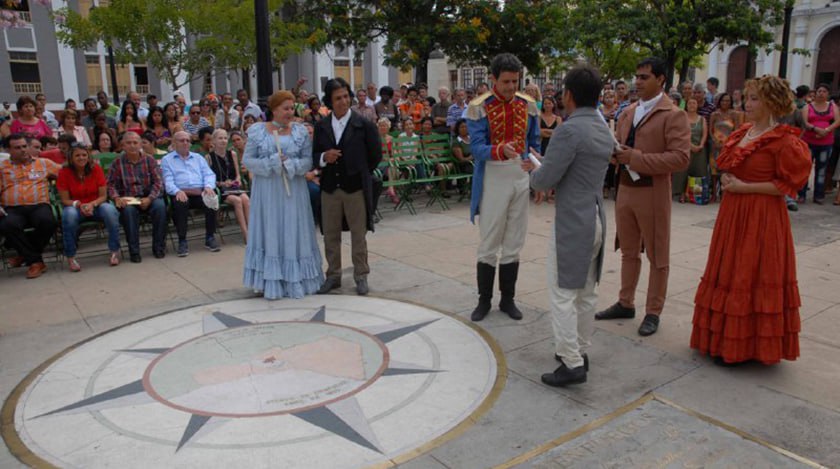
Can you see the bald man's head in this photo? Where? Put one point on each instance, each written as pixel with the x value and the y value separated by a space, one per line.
pixel 181 142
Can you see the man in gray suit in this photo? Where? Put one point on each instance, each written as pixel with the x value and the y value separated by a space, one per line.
pixel 574 166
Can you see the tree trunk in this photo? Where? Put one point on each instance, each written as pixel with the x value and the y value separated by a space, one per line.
pixel 684 69
pixel 670 65
pixel 421 71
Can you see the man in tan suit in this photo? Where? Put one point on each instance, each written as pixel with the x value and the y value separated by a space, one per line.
pixel 655 140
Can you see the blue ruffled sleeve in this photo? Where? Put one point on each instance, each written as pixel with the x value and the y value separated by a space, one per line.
pixel 258 161
pixel 300 161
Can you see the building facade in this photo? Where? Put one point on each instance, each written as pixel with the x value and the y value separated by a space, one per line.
pixel 815 28
pixel 33 61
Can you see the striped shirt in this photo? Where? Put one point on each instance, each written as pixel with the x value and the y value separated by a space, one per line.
pixel 28 183
pixel 454 113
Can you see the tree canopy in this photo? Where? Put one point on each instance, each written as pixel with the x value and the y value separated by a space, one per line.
pixel 184 39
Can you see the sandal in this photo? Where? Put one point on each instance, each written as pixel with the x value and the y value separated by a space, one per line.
pixel 73 265
pixel 115 259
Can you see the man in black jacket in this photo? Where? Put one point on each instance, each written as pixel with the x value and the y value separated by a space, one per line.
pixel 346 147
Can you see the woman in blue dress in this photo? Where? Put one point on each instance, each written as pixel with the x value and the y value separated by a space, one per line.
pixel 282 258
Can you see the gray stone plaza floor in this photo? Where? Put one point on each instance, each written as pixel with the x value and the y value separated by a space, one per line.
pixel 649 402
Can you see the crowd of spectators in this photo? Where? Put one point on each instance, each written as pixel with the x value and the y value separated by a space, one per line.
pixel 188 151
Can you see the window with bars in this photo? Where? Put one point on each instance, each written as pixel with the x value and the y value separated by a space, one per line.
pixel 26 76
pixel 208 81
pixel 453 80
pixel 479 75
pixel 467 78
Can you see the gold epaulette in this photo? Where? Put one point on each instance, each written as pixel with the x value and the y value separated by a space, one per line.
pixel 475 110
pixel 526 97
pixel 479 100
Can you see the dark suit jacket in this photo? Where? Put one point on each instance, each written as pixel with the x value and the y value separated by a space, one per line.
pixel 360 148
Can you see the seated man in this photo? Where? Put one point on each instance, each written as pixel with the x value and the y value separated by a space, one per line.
pixel 25 202
pixel 186 176
pixel 135 176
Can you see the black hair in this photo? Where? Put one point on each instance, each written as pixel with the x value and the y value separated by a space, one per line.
pixel 432 101
pixel 47 140
pixel 584 84
pixel 84 103
pixel 720 99
pixel 427 118
pixel 823 85
pixel 386 91
pixel 149 137
pixel 713 81
pixel 17 136
pixel 505 62
pixel 204 131
pixel 310 99
pixel 413 88
pixel 333 85
pixel 619 82
pixel 802 91
pixel 68 101
pixel 151 96
pixel 458 123
pixel 123 113
pixel 150 123
pixel 66 138
pixel 657 66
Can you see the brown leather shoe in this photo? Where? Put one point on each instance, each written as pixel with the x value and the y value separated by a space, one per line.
pixel 35 270
pixel 15 262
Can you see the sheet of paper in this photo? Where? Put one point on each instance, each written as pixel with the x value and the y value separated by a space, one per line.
pixel 633 174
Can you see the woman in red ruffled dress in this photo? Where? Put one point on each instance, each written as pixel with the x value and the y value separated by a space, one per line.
pixel 747 304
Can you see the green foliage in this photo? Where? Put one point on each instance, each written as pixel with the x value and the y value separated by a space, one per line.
pixel 528 29
pixel 184 39
pixel 679 31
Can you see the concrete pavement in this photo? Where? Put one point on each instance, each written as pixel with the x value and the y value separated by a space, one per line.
pixel 430 259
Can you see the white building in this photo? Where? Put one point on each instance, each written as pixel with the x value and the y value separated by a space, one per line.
pixel 815 27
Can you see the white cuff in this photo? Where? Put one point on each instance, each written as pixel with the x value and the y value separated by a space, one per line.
pixel 323 163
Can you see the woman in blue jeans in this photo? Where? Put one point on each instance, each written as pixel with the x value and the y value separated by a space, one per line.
pixel 82 187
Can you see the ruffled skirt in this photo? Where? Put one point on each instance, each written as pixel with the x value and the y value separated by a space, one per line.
pixel 747 304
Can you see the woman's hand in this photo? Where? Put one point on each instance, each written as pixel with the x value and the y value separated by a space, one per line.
pixel 86 209
pixel 730 183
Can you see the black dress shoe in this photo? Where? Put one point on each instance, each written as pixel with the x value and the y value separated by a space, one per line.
pixel 160 254
pixel 135 258
pixel 362 287
pixel 329 285
pixel 649 325
pixel 564 376
pixel 585 360
pixel 616 311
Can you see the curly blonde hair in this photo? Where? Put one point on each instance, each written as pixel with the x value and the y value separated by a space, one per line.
pixel 774 92
pixel 278 98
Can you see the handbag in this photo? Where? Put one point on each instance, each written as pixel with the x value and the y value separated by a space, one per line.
pixel 697 190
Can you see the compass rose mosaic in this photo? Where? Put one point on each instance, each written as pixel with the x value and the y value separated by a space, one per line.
pixel 327 381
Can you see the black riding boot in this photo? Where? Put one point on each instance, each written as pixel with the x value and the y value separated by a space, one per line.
pixel 507 286
pixel 485 275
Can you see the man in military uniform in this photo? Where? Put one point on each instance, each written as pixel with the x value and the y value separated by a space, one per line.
pixel 503 126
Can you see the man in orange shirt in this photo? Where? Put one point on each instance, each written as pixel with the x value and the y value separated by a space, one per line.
pixel 25 202
pixel 412 107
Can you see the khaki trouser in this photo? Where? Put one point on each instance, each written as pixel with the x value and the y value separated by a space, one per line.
pixel 503 212
pixel 573 310
pixel 635 224
pixel 352 207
